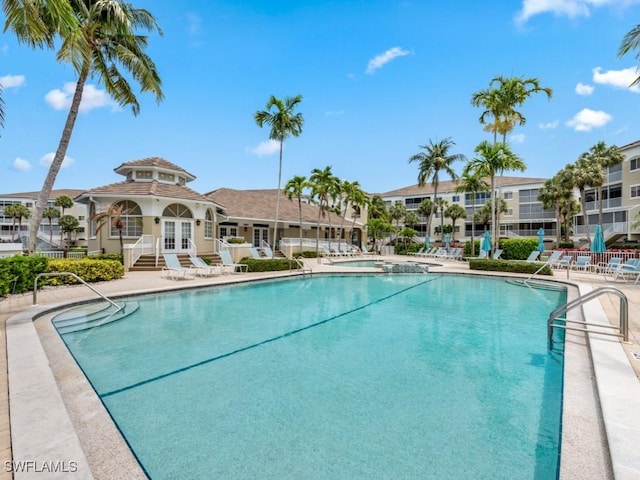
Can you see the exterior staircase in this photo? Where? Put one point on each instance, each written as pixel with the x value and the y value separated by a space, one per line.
pixel 147 263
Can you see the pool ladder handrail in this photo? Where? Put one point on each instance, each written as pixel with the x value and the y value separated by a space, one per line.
pixel 302 266
pixel 59 274
pixel 623 326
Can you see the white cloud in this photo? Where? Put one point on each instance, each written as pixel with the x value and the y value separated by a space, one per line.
pixel 586 120
pixel 518 138
pixel 21 164
pixel 194 23
pixel 380 60
pixel 12 81
pixel 617 78
pixel 549 125
pixel 46 160
pixel 568 8
pixel 91 98
pixel 265 148
pixel 582 89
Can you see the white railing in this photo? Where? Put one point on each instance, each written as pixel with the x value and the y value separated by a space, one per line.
pixel 193 250
pixel 60 254
pixel 144 245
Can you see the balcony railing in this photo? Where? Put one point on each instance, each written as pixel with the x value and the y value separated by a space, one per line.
pixel 607 203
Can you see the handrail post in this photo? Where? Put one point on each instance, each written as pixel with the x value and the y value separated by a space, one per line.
pixel 59 274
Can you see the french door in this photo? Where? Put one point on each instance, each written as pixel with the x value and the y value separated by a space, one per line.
pixel 177 235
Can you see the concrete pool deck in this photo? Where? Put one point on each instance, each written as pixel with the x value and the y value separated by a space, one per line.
pixel 57 423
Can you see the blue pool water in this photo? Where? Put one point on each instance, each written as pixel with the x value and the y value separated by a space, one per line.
pixel 334 377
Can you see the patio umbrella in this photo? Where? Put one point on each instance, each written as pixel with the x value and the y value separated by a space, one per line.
pixel 446 241
pixel 541 240
pixel 486 242
pixel 427 243
pixel 597 244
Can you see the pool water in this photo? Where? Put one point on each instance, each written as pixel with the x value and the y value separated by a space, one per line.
pixel 334 377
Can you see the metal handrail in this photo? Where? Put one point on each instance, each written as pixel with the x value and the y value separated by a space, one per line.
pixel 302 266
pixel 59 274
pixel 623 326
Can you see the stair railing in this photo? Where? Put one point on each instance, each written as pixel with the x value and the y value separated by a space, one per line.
pixel 60 274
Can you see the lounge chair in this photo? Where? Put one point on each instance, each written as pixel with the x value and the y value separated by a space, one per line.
pixel 440 252
pixel 257 254
pixel 454 254
pixel 497 254
pixel 608 267
pixel 366 251
pixel 564 262
pixel 483 255
pixel 268 252
pixel 228 262
pixel 626 271
pixel 174 270
pixel 533 256
pixel 582 263
pixel 417 254
pixel 203 269
pixel 554 258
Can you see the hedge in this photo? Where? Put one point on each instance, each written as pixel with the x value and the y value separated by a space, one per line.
pixel 17 273
pixel 269 264
pixel 87 269
pixel 512 266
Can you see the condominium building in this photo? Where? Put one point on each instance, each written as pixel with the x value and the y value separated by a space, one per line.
pixel 523 218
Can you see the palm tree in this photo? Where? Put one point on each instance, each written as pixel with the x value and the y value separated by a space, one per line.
pixel 1 108
pixel 582 175
pixel 454 212
pixel 64 202
pixel 98 38
pixel 440 205
pixel 114 217
pixel 377 208
pixel 295 188
pixel 630 42
pixel 359 200
pixel 435 157
pixel 606 157
pixel 377 227
pixel 397 212
pixel 472 184
pixel 17 212
pixel 322 183
pixel 68 224
pixel 493 159
pixel 426 209
pixel 284 124
pixel 552 194
pixel 50 213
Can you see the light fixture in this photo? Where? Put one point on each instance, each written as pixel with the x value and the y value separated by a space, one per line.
pixel 157 220
pixel 198 222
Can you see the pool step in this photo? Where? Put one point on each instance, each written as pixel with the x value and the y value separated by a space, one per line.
pixel 89 316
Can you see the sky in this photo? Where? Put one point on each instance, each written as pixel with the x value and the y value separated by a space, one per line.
pixel 379 79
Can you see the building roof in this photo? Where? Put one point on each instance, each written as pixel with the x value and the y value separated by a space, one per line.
pixel 450 186
pixel 155 162
pixel 261 205
pixel 69 192
pixel 143 189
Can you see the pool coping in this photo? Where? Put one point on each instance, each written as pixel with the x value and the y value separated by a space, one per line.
pixel 39 413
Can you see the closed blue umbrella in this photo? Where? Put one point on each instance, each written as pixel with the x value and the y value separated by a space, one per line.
pixel 446 241
pixel 541 240
pixel 486 242
pixel 427 243
pixel 598 245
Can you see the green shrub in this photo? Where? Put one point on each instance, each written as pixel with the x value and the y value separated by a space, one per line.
pixel 106 256
pixel 18 273
pixel 518 248
pixel 512 266
pixel 566 244
pixel 269 264
pixel 467 249
pixel 236 240
pixel 87 269
pixel 402 248
pixel 307 254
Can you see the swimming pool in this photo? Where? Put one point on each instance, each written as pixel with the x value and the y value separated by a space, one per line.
pixel 334 377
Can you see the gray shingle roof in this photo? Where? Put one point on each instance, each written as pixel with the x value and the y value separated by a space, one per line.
pixel 152 162
pixel 140 189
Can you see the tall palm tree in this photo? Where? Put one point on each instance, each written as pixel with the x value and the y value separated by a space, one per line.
pixel 472 184
pixel 378 208
pixel 454 212
pixel 295 188
pixel 426 209
pixel 114 218
pixel 631 41
pixel 284 124
pixel 323 184
pixel 440 205
pixel 493 159
pixel 359 201
pixel 607 157
pixel 17 212
pixel 552 194
pixel 1 109
pixel 98 40
pixel 64 202
pixel 582 175
pixel 50 213
pixel 436 157
pixel 397 211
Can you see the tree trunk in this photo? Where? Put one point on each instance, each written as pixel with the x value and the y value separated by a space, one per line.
pixel 493 212
pixel 585 217
pixel 300 232
pixel 275 225
pixel 49 181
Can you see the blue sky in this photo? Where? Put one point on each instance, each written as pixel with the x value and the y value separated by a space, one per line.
pixel 378 79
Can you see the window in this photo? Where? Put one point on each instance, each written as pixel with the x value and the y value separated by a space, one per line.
pixel 455 198
pixel 509 212
pixel 146 174
pixel 635 191
pixel 634 164
pixel 81 218
pixel 177 210
pixel 129 218
pixel 508 195
pixel 167 177
pixel 208 224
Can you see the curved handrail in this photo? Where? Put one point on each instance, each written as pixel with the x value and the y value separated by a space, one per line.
pixel 59 274
pixel 623 327
pixel 302 266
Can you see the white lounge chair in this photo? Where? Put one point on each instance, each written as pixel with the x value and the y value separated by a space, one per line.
pixel 582 263
pixel 257 254
pixel 533 256
pixel 554 258
pixel 497 254
pixel 174 269
pixel 608 267
pixel 227 261
pixel 203 269
pixel 627 271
